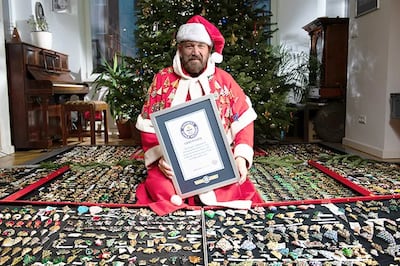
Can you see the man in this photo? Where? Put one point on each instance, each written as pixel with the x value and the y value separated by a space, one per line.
pixel 192 75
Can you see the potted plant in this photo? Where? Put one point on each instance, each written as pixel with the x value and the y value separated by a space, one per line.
pixel 125 93
pixel 40 32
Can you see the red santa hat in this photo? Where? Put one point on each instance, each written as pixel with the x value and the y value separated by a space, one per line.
pixel 199 29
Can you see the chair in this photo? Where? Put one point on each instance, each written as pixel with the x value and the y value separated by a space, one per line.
pixel 78 129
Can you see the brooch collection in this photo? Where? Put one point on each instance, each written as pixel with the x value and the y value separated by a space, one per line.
pixel 92 235
pixel 358 233
pixel 351 232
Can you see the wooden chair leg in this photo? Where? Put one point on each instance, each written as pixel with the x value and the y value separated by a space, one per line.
pixel 105 126
pixel 64 125
pixel 79 125
pixel 92 126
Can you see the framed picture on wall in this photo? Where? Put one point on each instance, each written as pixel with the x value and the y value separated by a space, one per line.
pixel 61 6
pixel 366 6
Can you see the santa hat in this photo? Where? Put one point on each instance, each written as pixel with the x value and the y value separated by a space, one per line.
pixel 199 29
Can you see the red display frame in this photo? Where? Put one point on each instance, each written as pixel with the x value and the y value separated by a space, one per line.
pixel 344 181
pixel 366 195
pixel 37 184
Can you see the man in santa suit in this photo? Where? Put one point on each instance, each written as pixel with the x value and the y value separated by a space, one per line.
pixel 192 75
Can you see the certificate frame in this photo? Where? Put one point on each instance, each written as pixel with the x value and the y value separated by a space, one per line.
pixel 190 134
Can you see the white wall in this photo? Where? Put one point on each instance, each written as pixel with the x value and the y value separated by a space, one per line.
pixel 290 32
pixel 374 62
pixel 68 29
pixel 290 23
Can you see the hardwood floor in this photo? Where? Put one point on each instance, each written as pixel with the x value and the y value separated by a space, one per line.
pixel 28 157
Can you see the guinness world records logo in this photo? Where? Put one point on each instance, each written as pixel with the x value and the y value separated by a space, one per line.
pixel 189 129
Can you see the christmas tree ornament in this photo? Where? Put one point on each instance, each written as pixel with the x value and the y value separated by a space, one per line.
pixel 155 26
pixel 233 39
pixel 255 31
pixel 147 12
pixel 224 21
pixel 173 42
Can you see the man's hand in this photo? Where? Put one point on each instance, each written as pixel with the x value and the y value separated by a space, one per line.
pixel 241 165
pixel 165 168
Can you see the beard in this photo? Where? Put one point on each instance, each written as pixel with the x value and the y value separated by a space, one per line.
pixel 193 65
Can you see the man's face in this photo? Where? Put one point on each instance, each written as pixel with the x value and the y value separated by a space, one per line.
pixel 194 56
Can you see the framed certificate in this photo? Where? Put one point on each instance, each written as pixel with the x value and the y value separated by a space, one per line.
pixel 195 145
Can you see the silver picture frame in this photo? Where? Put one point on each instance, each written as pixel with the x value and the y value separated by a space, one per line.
pixel 366 6
pixel 61 6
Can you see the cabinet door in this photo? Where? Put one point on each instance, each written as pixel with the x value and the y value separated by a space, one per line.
pixel 328 55
pixel 334 58
pixel 315 60
pixel 32 56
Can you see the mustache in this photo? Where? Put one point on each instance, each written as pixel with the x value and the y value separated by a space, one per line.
pixel 194 57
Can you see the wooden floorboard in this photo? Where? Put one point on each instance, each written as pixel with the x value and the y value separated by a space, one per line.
pixel 31 157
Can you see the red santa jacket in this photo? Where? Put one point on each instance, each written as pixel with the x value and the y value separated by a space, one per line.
pixel 234 107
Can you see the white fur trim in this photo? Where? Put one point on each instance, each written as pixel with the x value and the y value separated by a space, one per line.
pixel 176 200
pixel 209 198
pixel 246 118
pixel 193 32
pixel 245 151
pixel 216 57
pixel 144 125
pixel 152 155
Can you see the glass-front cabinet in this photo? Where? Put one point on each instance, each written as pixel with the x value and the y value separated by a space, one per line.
pixel 328 55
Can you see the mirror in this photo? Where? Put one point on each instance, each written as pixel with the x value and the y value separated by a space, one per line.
pixel 39 12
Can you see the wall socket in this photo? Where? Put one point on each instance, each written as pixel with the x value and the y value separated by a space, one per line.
pixel 362 119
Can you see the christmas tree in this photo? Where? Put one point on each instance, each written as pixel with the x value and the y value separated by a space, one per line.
pixel 257 66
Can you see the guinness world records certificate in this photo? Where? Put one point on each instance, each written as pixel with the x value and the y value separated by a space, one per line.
pixel 194 144
pixel 195 149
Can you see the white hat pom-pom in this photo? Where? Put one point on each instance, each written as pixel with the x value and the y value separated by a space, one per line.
pixel 176 200
pixel 217 57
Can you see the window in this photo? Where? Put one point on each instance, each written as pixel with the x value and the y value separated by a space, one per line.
pixel 112 25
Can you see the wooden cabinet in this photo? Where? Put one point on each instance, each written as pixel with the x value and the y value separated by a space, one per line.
pixel 328 55
pixel 35 78
pixel 325 110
